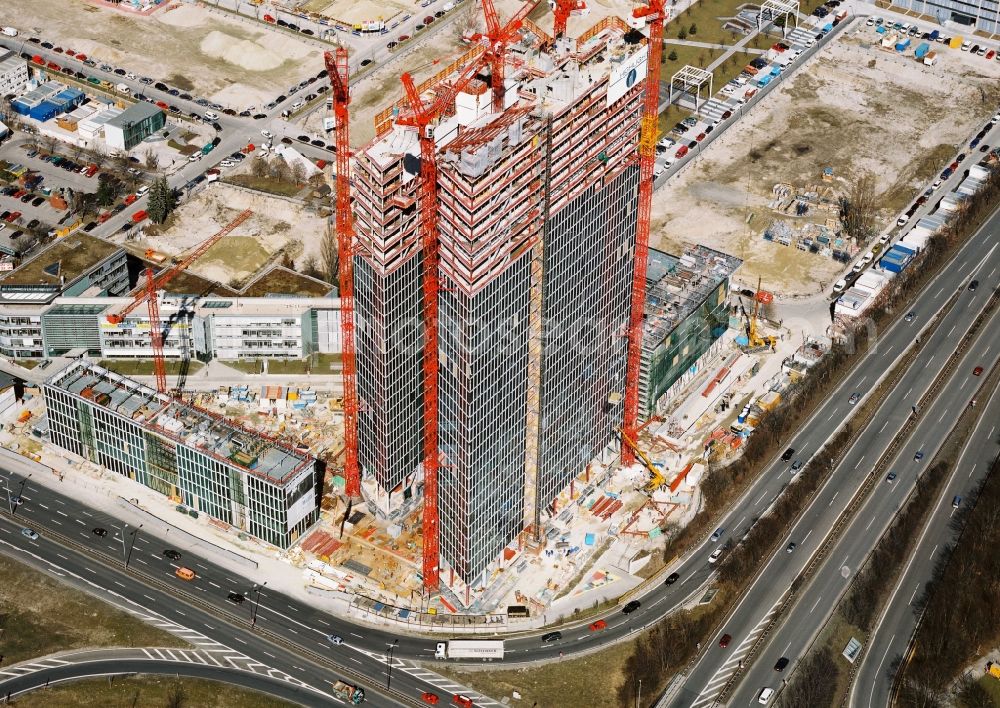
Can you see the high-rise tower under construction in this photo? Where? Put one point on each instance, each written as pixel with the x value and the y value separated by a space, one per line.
pixel 536 208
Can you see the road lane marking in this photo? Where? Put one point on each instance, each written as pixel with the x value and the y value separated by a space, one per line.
pixel 62 513
pixel 41 505
pixel 239 640
pixel 883 425
pixel 214 585
pixel 870 524
pixel 939 292
pixel 62 556
pixel 931 557
pixel 80 522
pixel 149 598
pixel 859 462
pixel 914 594
pixel 815 604
pixel 833 497
pixel 878 671
pixel 952 330
pixel 761 498
pixel 807 537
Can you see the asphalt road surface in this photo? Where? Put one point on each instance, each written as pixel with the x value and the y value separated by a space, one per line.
pixel 99 663
pixel 794 635
pixel 980 257
pixel 892 634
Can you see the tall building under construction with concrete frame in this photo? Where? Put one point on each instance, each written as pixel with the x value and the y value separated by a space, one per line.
pixel 536 208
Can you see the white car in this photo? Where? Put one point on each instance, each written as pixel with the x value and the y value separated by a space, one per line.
pixel 765 696
pixel 267 133
pixel 660 169
pixel 936 184
pixel 297 105
pixel 195 157
pixel 839 286
pixel 966 46
pixel 142 190
pixel 868 258
pixel 716 554
pixel 130 76
pixel 902 220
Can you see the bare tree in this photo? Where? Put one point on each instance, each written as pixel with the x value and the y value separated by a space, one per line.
pixel 859 208
pixel 258 167
pixel 151 160
pixel 48 142
pixel 328 254
pixel 98 156
pixel 468 22
pixel 298 172
pixel 176 698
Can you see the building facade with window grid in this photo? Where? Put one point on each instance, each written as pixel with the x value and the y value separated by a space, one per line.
pixel 190 455
pixel 536 222
pixel 982 15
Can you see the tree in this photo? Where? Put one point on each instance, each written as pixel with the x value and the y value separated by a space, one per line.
pixel 298 173
pixel 672 56
pixel 151 160
pixel 176 698
pixel 328 254
pixel 859 208
pixel 162 200
pixel 108 189
pixel 468 22
pixel 693 29
pixel 259 167
pixel 310 268
pixel 682 34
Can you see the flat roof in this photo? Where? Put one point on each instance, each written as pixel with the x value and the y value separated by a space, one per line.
pixel 10 61
pixel 282 281
pixel 135 113
pixel 182 422
pixel 241 447
pixel 676 287
pixel 70 257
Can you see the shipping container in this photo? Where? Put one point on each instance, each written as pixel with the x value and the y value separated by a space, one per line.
pixel 922 50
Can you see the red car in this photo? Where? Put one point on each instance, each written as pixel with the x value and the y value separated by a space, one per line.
pixel 52 65
pixel 428 19
pixel 459 700
pixel 724 640
pixel 70 53
pixel 701 136
pixel 13 217
pixel 598 626
pixel 19 193
pixel 81 57
pixel 953 166
pixel 403 37
pixel 431 698
pixel 681 151
pixel 975 372
pixel 58 50
pixel 990 54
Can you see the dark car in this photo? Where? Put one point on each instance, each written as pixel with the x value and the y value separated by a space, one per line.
pixel 973 285
pixel 172 554
pixel 236 598
pixel 780 664
pixel 33 223
pixel 90 225
pixel 47 45
pixel 174 92
pixel 318 143
pixel 161 86
pixel 631 607
pixel 280 98
pixel 37 201
pixel 672 578
pixel 259 116
pixel 27 198
pixel 100 533
pixel 366 62
pixel 787 455
pixel 552 637
pixel 186 96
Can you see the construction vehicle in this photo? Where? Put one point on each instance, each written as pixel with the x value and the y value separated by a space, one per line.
pixel 656 478
pixel 342 689
pixel 993 669
pixel 756 342
pixel 149 295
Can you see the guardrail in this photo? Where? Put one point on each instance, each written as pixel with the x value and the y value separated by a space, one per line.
pixel 860 496
pixel 216 612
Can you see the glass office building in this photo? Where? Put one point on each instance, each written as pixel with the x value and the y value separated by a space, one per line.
pixel 196 458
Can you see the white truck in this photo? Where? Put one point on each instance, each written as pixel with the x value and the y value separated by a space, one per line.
pixel 123 88
pixel 481 649
pixel 9 31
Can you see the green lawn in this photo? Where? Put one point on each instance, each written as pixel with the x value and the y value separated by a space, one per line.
pixel 265 184
pixel 144 367
pixel 147 691
pixel 318 364
pixel 39 616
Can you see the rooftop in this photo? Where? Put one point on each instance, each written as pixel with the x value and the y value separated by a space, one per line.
pixel 136 113
pixel 676 287
pixel 180 421
pixel 63 262
pixel 284 282
pixel 10 61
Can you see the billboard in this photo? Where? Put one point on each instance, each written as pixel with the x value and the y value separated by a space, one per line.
pixel 627 74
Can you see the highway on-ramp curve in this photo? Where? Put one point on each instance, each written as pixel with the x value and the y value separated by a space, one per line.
pixel 98 663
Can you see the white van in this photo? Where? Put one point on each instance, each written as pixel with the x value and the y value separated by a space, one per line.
pixel 211 115
pixel 9 31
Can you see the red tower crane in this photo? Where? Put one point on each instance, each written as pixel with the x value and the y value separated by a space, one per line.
pixel 498 37
pixel 421 117
pixel 337 68
pixel 561 11
pixel 153 284
pixel 655 14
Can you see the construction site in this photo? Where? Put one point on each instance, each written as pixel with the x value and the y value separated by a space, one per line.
pixel 529 394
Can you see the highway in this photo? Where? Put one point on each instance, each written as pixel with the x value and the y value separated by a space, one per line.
pixel 713 669
pixel 194 663
pixel 792 637
pixel 891 635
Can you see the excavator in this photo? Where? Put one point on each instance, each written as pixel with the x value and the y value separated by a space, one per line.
pixel 656 477
pixel 756 342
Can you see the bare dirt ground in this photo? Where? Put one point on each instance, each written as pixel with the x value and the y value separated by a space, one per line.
pixel 854 107
pixel 210 54
pixel 360 10
pixel 276 224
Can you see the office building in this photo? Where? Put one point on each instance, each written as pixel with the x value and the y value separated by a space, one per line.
pixel 537 213
pixel 133 125
pixel 959 15
pixel 237 476
pixel 13 73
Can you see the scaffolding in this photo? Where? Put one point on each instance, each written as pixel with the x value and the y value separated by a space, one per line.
pixel 686 78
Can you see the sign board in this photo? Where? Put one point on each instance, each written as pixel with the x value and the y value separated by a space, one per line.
pixel 852 650
pixel 627 75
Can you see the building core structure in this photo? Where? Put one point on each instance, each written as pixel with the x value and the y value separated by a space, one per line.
pixel 537 214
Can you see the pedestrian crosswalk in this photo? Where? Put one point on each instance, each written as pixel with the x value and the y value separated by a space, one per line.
pixel 443 683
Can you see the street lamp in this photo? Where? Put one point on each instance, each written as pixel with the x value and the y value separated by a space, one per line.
pixel 388 662
pixel 128 555
pixel 256 606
